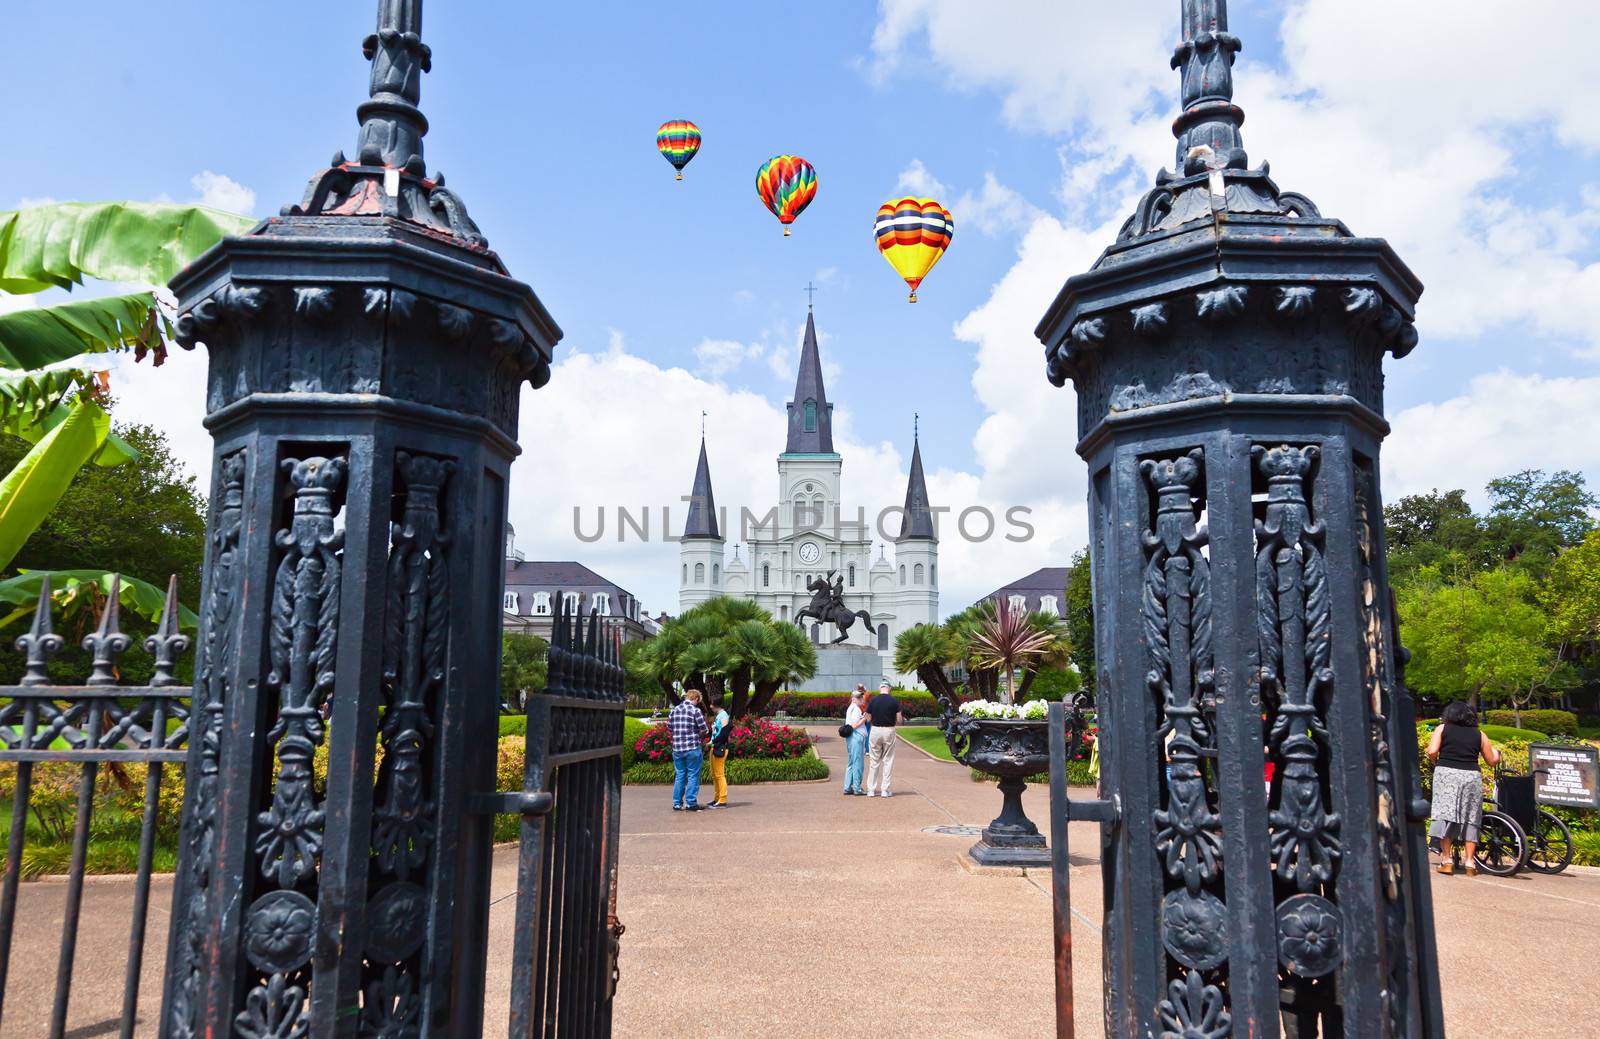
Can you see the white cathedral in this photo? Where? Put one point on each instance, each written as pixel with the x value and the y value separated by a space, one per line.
pixel 813 537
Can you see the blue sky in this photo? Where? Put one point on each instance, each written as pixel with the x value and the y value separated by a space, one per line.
pixel 1036 122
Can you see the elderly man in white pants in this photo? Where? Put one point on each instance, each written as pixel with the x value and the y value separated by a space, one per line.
pixel 884 712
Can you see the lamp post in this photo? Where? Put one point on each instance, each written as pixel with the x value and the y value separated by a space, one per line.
pixel 366 354
pixel 1227 355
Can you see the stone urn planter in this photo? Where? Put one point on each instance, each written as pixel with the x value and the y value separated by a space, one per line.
pixel 1010 749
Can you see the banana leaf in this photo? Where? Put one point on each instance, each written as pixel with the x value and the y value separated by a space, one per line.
pixel 144 243
pixel 42 336
pixel 34 403
pixel 72 590
pixel 35 485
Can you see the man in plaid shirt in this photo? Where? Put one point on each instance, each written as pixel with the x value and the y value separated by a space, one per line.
pixel 687 724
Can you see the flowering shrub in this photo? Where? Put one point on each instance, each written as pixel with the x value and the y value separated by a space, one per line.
pixel 749 738
pixel 1033 710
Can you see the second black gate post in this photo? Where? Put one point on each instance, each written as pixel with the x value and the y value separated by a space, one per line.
pixel 1267 874
pixel 367 351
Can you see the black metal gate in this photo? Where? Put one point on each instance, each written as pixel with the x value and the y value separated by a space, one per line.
pixel 99 723
pixel 564 966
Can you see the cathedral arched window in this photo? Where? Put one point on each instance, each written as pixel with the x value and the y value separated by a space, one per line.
pixel 816 634
pixel 852 575
pixel 902 573
pixel 699 573
pixel 917 574
pixel 811 416
pixel 716 572
pixel 766 575
pixel 933 573
pixel 883 636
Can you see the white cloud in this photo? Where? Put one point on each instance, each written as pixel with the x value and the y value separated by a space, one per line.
pixel 225 193
pixel 718 357
pixel 1505 422
pixel 915 179
pixel 995 209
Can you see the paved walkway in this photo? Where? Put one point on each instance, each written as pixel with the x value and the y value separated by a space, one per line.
pixel 802 914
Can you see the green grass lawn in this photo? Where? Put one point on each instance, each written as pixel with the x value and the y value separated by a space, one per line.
pixel 926 737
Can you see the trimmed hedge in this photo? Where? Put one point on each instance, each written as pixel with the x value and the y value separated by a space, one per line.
pixel 513 725
pixel 1554 722
pixel 1077 775
pixel 1506 733
pixel 741 771
pixel 833 705
pixel 632 729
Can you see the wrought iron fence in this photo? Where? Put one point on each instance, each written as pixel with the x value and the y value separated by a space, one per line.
pixel 564 970
pixel 100 723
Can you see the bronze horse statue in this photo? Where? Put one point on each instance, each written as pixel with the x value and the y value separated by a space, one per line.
pixel 827 606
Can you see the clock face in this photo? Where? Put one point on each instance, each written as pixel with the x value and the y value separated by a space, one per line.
pixel 810 552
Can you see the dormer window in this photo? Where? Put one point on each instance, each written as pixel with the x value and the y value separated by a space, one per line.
pixel 602 602
pixel 1019 602
pixel 509 604
pixel 541 604
pixel 572 602
pixel 1047 604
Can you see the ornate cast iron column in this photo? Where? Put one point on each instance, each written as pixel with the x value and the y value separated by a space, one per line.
pixel 366 355
pixel 1227 355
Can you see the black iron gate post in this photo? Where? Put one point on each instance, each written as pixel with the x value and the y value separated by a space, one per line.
pixel 1227 356
pixel 367 350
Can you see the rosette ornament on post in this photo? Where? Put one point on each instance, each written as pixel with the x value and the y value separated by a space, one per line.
pixel 366 356
pixel 1266 872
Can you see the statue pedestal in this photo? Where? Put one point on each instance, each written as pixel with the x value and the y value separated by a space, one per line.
pixel 840 668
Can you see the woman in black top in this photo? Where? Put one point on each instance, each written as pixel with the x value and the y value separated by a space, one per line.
pixel 1457 784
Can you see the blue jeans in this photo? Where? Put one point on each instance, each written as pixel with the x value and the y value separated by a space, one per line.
pixel 856 745
pixel 686 763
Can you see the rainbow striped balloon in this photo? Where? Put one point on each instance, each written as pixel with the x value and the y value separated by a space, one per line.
pixel 786 184
pixel 912 234
pixel 678 140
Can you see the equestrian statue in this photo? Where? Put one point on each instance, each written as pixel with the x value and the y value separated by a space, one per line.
pixel 827 606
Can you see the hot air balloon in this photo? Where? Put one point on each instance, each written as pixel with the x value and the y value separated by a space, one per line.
pixel 678 141
pixel 786 184
pixel 912 234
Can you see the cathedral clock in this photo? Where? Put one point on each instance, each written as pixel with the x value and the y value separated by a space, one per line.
pixel 809 552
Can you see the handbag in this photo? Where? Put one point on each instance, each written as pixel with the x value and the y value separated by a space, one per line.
pixel 846 730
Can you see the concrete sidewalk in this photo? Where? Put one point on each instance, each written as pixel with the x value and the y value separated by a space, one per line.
pixel 800 913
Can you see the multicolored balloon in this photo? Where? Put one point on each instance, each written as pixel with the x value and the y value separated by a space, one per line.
pixel 678 141
pixel 912 234
pixel 786 184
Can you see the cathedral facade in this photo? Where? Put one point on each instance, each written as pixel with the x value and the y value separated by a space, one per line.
pixel 809 538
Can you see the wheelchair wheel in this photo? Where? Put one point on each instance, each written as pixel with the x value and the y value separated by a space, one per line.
pixel 1549 844
pixel 1501 845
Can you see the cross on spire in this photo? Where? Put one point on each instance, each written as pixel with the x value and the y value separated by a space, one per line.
pixel 811 295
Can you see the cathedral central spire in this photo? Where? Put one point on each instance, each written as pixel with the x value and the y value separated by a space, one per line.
pixel 702 521
pixel 810 414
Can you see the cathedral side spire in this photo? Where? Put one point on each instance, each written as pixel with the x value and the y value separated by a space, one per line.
pixel 702 506
pixel 810 414
pixel 918 522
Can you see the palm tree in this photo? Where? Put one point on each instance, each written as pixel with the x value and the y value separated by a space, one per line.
pixel 1006 642
pixel 796 661
pixel 1057 653
pixel 925 649
pixel 963 630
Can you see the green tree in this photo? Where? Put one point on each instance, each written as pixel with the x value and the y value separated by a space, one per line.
pixel 1531 514
pixel 1080 618
pixel 1571 594
pixel 1482 635
pixel 524 666
pixel 1428 529
pixel 639 688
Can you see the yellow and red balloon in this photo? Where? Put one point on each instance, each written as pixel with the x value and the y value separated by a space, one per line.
pixel 786 184
pixel 912 234
pixel 678 140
